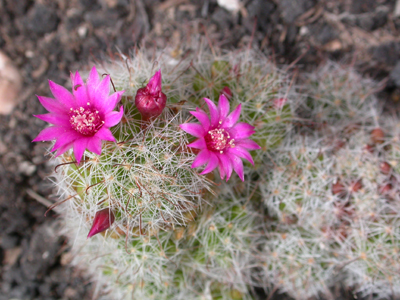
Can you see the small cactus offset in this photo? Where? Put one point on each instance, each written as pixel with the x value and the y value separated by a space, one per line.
pixel 205 175
pixel 332 196
pixel 338 96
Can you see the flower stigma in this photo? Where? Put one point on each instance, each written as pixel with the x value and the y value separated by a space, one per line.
pixel 218 140
pixel 86 121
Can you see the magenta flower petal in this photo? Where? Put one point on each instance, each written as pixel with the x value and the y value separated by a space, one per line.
pixel 56 119
pixel 92 82
pixel 64 149
pixel 105 134
pixel 79 90
pixel 223 143
pixel 221 171
pixel 112 101
pixel 79 147
pixel 201 158
pixel 225 162
pixel 52 105
pixel 242 153
pixel 101 94
pixel 65 138
pixel 114 117
pixel 232 118
pixel 198 144
pixel 237 166
pixel 214 113
pixel 241 131
pixel 94 145
pixel 203 118
pixel 83 117
pixel 194 129
pixel 212 164
pixel 154 84
pixel 50 133
pixel 248 144
pixel 62 94
pixel 223 107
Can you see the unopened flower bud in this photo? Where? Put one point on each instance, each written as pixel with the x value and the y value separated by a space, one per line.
pixel 279 102
pixel 369 148
pixel 339 144
pixel 150 100
pixel 385 167
pixel 385 189
pixel 102 221
pixel 338 189
pixel 377 136
pixel 355 186
pixel 227 92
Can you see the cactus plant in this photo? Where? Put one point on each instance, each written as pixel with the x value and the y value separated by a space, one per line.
pixel 331 195
pixel 319 205
pixel 169 232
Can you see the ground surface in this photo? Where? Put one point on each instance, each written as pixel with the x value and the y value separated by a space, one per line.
pixel 47 39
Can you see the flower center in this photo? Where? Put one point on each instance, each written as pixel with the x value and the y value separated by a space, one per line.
pixel 86 121
pixel 218 140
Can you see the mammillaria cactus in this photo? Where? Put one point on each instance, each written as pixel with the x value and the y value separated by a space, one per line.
pixel 171 232
pixel 320 204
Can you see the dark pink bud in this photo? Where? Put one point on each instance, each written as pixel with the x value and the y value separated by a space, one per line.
pixel 355 186
pixel 377 136
pixel 385 167
pixel 279 102
pixel 369 148
pixel 102 221
pixel 150 100
pixel 385 188
pixel 227 92
pixel 338 188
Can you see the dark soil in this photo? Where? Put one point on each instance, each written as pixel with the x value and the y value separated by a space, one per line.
pixel 48 38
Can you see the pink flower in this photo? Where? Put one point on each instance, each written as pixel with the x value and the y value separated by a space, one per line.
pixel 102 221
pixel 82 119
pixel 222 142
pixel 150 100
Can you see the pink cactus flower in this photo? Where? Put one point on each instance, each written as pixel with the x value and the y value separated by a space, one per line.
pixel 103 220
pixel 82 119
pixel 222 141
pixel 150 100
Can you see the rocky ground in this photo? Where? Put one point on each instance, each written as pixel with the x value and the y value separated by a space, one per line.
pixel 48 38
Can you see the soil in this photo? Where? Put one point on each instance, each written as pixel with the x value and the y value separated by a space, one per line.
pixel 48 38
